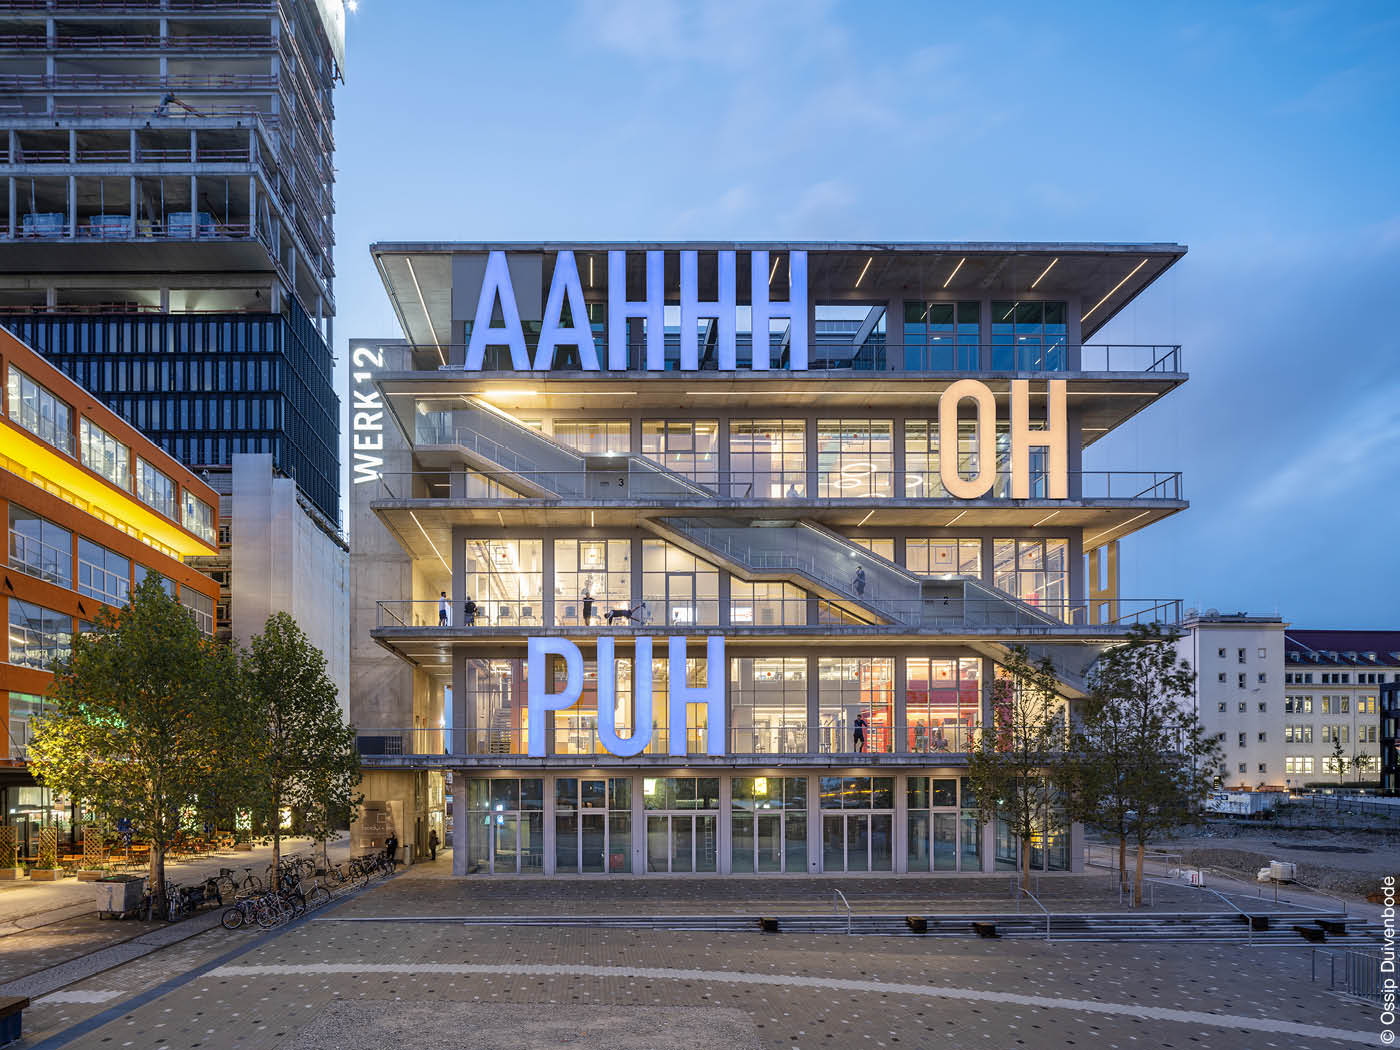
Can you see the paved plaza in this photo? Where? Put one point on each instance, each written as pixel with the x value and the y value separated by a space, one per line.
pixel 327 983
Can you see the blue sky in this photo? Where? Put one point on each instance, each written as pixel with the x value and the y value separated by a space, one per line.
pixel 1263 136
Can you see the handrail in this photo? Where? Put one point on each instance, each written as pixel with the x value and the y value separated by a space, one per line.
pixel 1032 896
pixel 837 893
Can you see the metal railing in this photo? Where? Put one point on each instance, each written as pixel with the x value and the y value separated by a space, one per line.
pixel 837 895
pixel 828 354
pixel 1361 973
pixel 639 478
pixel 1022 890
pixel 562 741
pixel 989 614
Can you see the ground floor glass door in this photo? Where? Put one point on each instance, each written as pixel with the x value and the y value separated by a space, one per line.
pixel 592 825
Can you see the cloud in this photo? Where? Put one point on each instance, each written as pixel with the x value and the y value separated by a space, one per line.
pixel 1357 450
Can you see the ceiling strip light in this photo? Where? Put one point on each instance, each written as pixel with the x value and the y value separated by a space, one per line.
pixel 421 302
pixel 1115 288
pixel 1043 520
pixel 955 271
pixel 1125 524
pixel 1044 272
pixel 955 520
pixel 866 518
pixel 773 272
pixel 864 269
pixel 431 544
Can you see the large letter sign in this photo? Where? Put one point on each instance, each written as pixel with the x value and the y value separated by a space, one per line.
pixel 540 701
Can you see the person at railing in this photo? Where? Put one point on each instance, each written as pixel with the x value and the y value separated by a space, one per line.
pixel 859 731
pixel 587 597
pixel 442 609
pixel 469 613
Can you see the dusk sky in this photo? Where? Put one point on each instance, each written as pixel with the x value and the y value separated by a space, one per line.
pixel 1264 137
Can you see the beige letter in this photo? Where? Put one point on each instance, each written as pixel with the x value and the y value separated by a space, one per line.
pixel 986 420
pixel 1052 438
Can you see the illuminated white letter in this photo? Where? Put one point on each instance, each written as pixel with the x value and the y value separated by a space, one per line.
pixel 711 694
pixel 496 281
pixel 538 699
pixel 722 310
pixel 565 283
pixel 949 449
pixel 607 700
pixel 652 308
pixel 795 310
pixel 1053 438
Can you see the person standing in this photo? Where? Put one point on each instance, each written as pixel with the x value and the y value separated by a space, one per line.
pixel 391 848
pixel 859 733
pixel 588 603
pixel 442 609
pixel 469 613
pixel 432 844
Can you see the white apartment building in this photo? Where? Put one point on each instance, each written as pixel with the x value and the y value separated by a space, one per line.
pixel 1281 699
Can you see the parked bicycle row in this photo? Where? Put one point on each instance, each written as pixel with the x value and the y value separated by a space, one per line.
pixel 297 892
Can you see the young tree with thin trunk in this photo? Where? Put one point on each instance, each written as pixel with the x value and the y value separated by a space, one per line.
pixel 142 720
pixel 307 761
pixel 1337 761
pixel 1144 763
pixel 1010 770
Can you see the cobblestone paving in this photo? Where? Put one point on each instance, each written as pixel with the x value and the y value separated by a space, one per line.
pixel 797 991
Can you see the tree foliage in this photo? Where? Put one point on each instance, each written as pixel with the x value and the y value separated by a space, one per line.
pixel 306 758
pixel 1010 770
pixel 143 720
pixel 1140 763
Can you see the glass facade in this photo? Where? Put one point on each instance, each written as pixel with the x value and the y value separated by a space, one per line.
pixel 852 691
pixel 1029 336
pixel 595 437
pixel 40 548
pixel 855 458
pixel 768 705
pixel 766 604
pixel 682 815
pixel 680 589
pixel 198 517
pixel 767 458
pixel 506 580
pixel 768 824
pixel 592 581
pixel 207 386
pixel 940 557
pixel 687 446
pixel 155 489
pixel 943 704
pixel 102 573
pixel 1036 571
pixel 942 337
pixel 857 823
pixel 38 636
pixel 105 454
pixel 41 412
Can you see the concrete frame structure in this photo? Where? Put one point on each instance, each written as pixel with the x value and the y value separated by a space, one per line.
pixel 166 199
pixel 455 468
pixel 70 496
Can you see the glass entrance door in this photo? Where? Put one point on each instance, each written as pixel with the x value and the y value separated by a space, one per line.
pixel 682 842
pixel 592 825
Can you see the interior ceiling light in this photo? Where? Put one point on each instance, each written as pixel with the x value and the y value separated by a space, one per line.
pixel 1044 272
pixel 864 269
pixel 773 272
pixel 1115 288
pixel 955 271
pixel 423 303
pixel 866 518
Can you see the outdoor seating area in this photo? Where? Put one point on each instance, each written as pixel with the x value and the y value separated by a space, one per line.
pixel 116 853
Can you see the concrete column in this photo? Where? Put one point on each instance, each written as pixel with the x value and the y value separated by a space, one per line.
pixel 724 597
pixel 459 822
pixel 72 146
pixel 72 206
pixel 463 714
pixel 897 486
pixel 810 446
pixel 989 846
pixel 636 583
pixel 50 297
pixel 984 312
pixel 901 823
pixel 814 824
pixel 813 707
pixel 194 146
pixel 547 583
pixel 549 840
pixel 639 823
pixel 194 204
pixel 14 195
pixel 901 713
pixel 165 300
pixel 457 561
pixel 132 191
pixel 988 557
pixel 724 836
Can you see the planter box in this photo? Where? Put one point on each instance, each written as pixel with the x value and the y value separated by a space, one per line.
pixel 11 874
pixel 117 894
pixel 243 847
pixel 91 875
pixel 46 874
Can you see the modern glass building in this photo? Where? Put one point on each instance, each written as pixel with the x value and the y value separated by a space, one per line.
pixel 166 218
pixel 704 558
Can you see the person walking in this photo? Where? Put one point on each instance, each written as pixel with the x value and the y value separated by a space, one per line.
pixel 391 848
pixel 859 733
pixel 442 609
pixel 859 581
pixel 432 844
pixel 469 613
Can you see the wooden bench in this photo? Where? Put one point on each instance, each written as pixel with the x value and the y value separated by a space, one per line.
pixel 916 923
pixel 1333 927
pixel 1312 934
pixel 11 1018
pixel 768 925
pixel 985 929
pixel 1256 923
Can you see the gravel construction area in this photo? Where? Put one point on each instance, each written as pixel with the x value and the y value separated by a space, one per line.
pixel 1344 861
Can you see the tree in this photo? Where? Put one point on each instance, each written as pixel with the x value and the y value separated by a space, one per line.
pixel 1010 770
pixel 1337 761
pixel 1140 763
pixel 306 760
pixel 142 720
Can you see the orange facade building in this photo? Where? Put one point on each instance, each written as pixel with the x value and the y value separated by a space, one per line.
pixel 91 507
